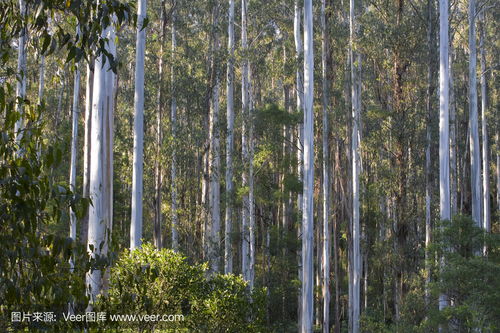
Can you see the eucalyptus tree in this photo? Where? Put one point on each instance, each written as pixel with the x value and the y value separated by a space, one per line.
pixel 87 143
pixel 484 127
pixel 475 159
pixel 214 151
pixel 228 252
pixel 245 107
pixel 326 171
pixel 444 128
pixel 299 93
pixel 173 121
pixel 98 223
pixel 308 185
pixel 74 143
pixel 157 234
pixel 355 64
pixel 137 176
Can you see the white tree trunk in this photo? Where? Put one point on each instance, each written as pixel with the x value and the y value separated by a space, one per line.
pixel 245 106
pixel 326 174
pixel 173 169
pixel 444 139
pixel 97 218
pixel 308 186
pixel 484 130
pixel 228 252
pixel 475 159
pixel 355 64
pixel 137 176
pixel 21 71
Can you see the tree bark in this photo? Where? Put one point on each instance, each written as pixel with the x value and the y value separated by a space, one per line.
pixel 444 139
pixel 308 185
pixel 74 144
pixel 137 177
pixel 228 251
pixel 475 159
pixel 214 155
pixel 173 120
pixel 157 234
pixel 356 167
pixel 326 172
pixel 299 92
pixel 245 106
pixel 484 128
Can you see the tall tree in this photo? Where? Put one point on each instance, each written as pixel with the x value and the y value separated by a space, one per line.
pixel 484 127
pixel 245 107
pixel 444 127
pixel 173 120
pixel 74 143
pixel 228 250
pixel 87 142
pixel 308 186
pixel 214 153
pixel 137 176
pixel 475 160
pixel 428 143
pixel 157 235
pixel 355 63
pixel 299 93
pixel 326 170
pixel 98 223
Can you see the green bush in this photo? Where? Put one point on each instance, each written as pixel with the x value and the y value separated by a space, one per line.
pixel 148 281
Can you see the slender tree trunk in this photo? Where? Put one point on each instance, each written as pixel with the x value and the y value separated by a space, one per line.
pixel 484 128
pixel 214 155
pixel 444 140
pixel 87 147
pixel 336 224
pixel 428 164
pixel 299 92
pixel 326 172
pixel 308 186
pixel 473 119
pixel 356 167
pixel 245 106
pixel 173 120
pixel 157 235
pixel 453 139
pixel 251 197
pixel 137 177
pixel 228 249
pixel 74 144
